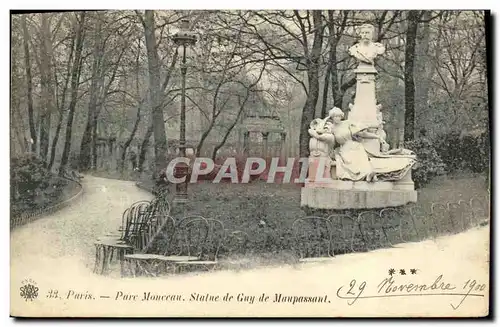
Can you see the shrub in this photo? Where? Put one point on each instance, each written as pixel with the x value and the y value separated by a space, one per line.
pixel 29 174
pixel 470 151
pixel 429 163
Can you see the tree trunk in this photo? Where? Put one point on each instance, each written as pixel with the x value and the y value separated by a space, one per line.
pixel 138 118
pixel 231 127
pixel 16 126
pixel 75 78
pixel 86 144
pixel 84 159
pixel 424 72
pixel 62 105
pixel 331 62
pixel 337 96
pixel 54 141
pixel 326 86
pixel 331 72
pixel 309 108
pixel 144 147
pixel 104 92
pixel 46 86
pixel 29 83
pixel 204 136
pixel 160 137
pixel 130 138
pixel 411 38
pixel 93 143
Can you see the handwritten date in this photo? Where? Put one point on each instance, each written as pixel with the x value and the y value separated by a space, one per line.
pixel 388 287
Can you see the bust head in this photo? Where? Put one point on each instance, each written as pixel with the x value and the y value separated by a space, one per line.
pixel 366 32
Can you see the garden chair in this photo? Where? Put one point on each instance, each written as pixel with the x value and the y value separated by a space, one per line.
pixel 417 229
pixel 373 231
pixel 186 244
pixel 313 239
pixel 440 216
pixel 119 242
pixel 235 246
pixel 105 251
pixel 150 224
pixel 236 242
pixel 466 214
pixel 480 210
pixel 345 232
pixel 160 224
pixel 457 212
pixel 208 259
pixel 138 217
pixel 144 263
pixel 394 225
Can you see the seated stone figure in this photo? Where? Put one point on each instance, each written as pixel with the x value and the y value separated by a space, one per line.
pixel 352 160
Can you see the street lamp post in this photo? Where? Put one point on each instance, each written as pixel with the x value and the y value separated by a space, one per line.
pixel 184 37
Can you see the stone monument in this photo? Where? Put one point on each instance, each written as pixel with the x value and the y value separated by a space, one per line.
pixel 351 165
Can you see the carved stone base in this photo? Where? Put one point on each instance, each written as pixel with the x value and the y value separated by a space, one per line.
pixel 354 195
pixel 317 163
pixel 350 185
pixel 406 183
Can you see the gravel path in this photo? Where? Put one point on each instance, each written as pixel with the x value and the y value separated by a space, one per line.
pixel 71 232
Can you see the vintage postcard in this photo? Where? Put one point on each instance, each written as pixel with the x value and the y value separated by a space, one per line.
pixel 250 163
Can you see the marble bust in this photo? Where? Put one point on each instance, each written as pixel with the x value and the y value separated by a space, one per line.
pixel 365 51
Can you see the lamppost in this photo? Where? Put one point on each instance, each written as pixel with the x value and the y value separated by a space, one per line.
pixel 184 37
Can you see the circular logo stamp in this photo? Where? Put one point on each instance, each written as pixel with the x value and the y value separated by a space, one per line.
pixel 28 290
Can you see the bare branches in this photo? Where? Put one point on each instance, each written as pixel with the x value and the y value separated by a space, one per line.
pixel 140 16
pixel 283 50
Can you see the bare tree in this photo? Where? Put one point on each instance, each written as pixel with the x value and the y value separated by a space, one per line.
pixel 331 74
pixel 62 103
pixel 95 84
pixel 29 83
pixel 411 39
pixel 160 137
pixel 16 127
pixel 47 85
pixel 75 78
pixel 242 103
pixel 219 97
pixel 312 62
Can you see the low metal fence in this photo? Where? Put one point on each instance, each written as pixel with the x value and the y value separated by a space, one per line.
pixel 27 217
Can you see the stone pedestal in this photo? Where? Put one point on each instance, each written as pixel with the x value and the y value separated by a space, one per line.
pixel 319 163
pixel 406 183
pixel 339 195
pixel 364 109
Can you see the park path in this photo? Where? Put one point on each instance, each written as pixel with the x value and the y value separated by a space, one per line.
pixel 57 253
pixel 71 232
